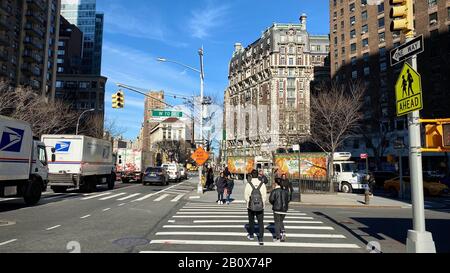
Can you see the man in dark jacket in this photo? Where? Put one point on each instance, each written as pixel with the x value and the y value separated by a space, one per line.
pixel 287 185
pixel 262 177
pixel 279 198
pixel 221 183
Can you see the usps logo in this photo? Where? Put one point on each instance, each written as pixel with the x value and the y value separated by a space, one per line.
pixel 62 147
pixel 11 140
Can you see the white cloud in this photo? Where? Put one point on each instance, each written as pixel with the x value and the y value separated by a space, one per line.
pixel 204 20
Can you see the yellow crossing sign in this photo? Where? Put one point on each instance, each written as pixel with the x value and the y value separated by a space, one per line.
pixel 408 91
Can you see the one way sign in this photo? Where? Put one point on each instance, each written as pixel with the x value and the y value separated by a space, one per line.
pixel 407 50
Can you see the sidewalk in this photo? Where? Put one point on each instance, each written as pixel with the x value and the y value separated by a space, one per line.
pixel 320 200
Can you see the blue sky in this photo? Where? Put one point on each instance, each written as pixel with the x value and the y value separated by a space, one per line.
pixel 136 32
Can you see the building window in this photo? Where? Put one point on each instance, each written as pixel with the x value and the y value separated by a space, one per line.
pixel 352 20
pixel 59 84
pixel 381 7
pixel 433 18
pixel 365 42
pixel 354 74
pixel 353 47
pixel 351 7
pixel 282 50
pixel 335 40
pixel 432 3
pixel 343 50
pixel 364 29
pixel 352 33
pixel 381 22
pixel 291 61
pixel 363 2
pixel 283 61
pixel 60 69
pixel 381 37
pixel 353 60
pixel 364 15
pixel 366 57
pixel 342 24
pixel 342 12
pixel 342 37
pixel 382 52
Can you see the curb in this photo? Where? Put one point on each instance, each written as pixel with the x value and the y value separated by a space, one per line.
pixel 348 206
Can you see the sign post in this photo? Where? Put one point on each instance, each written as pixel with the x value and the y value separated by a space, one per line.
pixel 366 157
pixel 200 156
pixel 399 146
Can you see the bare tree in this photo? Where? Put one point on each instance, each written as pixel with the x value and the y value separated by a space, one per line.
pixel 335 117
pixel 92 126
pixel 174 150
pixel 44 116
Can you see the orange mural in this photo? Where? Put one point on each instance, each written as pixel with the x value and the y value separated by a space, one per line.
pixel 237 165
pixel 312 165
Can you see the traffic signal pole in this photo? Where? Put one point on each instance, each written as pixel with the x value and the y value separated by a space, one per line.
pixel 202 78
pixel 418 239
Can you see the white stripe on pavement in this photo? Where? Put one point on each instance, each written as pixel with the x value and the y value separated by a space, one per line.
pixel 161 197
pixel 238 216
pixel 128 197
pixel 55 227
pixel 106 209
pixel 246 221
pixel 194 197
pixel 176 199
pixel 176 190
pixel 231 213
pixel 86 216
pixel 112 196
pixel 244 234
pixel 180 252
pixel 237 243
pixel 243 226
pixel 144 197
pixel 95 196
pixel 223 209
pixel 8 242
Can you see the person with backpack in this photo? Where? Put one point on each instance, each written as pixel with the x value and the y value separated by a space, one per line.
pixel 279 198
pixel 255 195
pixel 287 185
pixel 229 188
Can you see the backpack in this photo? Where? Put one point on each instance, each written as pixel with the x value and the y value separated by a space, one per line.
pixel 256 202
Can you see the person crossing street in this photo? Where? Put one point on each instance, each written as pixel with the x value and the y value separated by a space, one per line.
pixel 279 198
pixel 255 195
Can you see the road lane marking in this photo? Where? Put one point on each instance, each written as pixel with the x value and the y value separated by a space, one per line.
pixel 176 199
pixel 128 197
pixel 86 216
pixel 123 204
pixel 161 197
pixel 112 196
pixel 246 221
pixel 171 221
pixel 219 210
pixel 243 226
pixel 242 243
pixel 180 252
pixel 106 209
pixel 244 234
pixel 239 216
pixel 55 227
pixel 194 197
pixel 183 191
pixel 95 196
pixel 8 242
pixel 231 213
pixel 155 193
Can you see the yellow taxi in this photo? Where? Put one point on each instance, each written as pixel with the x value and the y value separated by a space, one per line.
pixel 431 186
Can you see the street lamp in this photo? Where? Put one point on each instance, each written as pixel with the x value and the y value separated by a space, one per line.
pixel 202 78
pixel 78 122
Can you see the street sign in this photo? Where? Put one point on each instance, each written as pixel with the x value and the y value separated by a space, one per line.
pixel 296 147
pixel 200 156
pixel 408 91
pixel 167 114
pixel 407 50
pixel 364 156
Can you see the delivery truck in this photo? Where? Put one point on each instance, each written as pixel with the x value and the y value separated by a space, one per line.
pixel 79 162
pixel 131 164
pixel 23 162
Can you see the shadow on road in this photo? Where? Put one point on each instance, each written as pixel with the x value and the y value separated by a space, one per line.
pixel 394 228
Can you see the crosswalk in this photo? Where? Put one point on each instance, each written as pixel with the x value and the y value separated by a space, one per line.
pixel 202 227
pixel 171 194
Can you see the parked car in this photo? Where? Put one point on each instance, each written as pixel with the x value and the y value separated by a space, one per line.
pixel 382 176
pixel 431 187
pixel 155 175
pixel 183 173
pixel 173 170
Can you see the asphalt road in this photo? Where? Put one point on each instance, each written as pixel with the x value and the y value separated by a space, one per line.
pixel 105 221
pixel 154 219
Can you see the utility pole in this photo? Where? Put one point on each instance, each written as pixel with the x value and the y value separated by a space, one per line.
pixel 418 239
pixel 202 78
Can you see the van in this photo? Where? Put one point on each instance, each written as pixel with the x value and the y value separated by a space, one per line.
pixel 173 170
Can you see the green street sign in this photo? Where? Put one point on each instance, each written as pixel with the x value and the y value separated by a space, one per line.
pixel 166 114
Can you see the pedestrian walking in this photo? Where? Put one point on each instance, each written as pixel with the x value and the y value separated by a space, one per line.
pixel 210 179
pixel 227 172
pixel 262 177
pixel 229 189
pixel 255 195
pixel 221 183
pixel 279 198
pixel 287 185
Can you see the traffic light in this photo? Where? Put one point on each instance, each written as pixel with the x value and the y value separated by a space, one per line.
pixel 433 136
pixel 118 100
pixel 446 135
pixel 402 16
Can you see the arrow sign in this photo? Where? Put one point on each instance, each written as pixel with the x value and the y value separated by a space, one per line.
pixel 407 50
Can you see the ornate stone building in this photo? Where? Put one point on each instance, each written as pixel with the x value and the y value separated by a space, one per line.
pixel 268 96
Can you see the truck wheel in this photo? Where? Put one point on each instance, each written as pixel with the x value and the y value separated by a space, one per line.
pixel 33 192
pixel 125 181
pixel 59 189
pixel 111 181
pixel 346 188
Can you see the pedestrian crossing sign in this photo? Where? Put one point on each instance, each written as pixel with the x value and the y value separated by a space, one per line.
pixel 408 91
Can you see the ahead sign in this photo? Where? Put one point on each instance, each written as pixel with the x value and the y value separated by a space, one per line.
pixel 407 50
pixel 408 91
